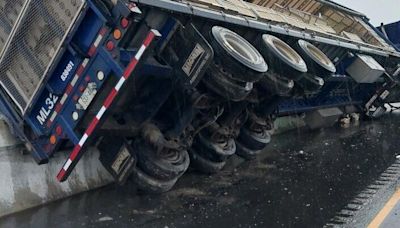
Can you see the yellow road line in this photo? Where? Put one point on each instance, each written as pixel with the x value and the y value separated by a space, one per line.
pixel 378 220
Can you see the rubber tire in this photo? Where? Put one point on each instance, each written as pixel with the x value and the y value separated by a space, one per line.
pixel 253 141
pixel 314 62
pixel 277 62
pixel 222 84
pixel 242 68
pixel 150 184
pixel 212 151
pixel 159 168
pixel 277 85
pixel 204 165
pixel 246 153
pixel 311 83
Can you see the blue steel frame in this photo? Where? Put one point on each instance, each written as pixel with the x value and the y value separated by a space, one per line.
pixel 393 32
pixel 338 91
pixel 77 48
pixel 37 139
pixel 355 94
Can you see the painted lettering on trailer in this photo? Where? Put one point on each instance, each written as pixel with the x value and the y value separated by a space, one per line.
pixel 67 71
pixel 45 111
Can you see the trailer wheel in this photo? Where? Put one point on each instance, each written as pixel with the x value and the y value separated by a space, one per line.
pixel 237 55
pixel 204 165
pixel 246 153
pixel 318 63
pixel 150 184
pixel 167 165
pixel 310 83
pixel 220 82
pixel 213 151
pixel 254 140
pixel 277 85
pixel 281 58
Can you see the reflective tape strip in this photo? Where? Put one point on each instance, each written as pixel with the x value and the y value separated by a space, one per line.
pixel 67 164
pixel 64 98
pixel 98 40
pixel 50 122
pixel 92 50
pixel 85 62
pixel 101 112
pixel 83 139
pixel 69 89
pixel 109 100
pixel 58 108
pixel 53 116
pixel 77 151
pixel 103 31
pixel 80 70
pixel 62 172
pixel 120 83
pixel 74 80
pixel 140 52
pixel 92 126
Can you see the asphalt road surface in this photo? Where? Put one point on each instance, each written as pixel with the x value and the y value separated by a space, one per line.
pixel 301 180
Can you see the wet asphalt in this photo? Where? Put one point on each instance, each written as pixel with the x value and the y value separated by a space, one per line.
pixel 302 179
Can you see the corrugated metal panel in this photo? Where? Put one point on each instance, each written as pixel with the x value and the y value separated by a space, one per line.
pixel 38 28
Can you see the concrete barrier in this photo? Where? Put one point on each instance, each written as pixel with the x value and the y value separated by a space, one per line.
pixel 24 184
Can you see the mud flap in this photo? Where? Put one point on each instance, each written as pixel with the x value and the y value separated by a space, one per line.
pixel 189 53
pixel 375 105
pixel 118 157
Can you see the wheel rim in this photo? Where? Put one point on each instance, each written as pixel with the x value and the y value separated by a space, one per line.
pixel 285 52
pixel 261 136
pixel 172 156
pixel 240 49
pixel 317 55
pixel 224 147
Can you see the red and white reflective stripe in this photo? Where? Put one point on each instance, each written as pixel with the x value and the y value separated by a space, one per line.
pixel 68 91
pixel 74 156
pixel 97 42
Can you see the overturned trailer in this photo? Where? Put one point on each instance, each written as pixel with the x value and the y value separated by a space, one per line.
pixel 157 85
